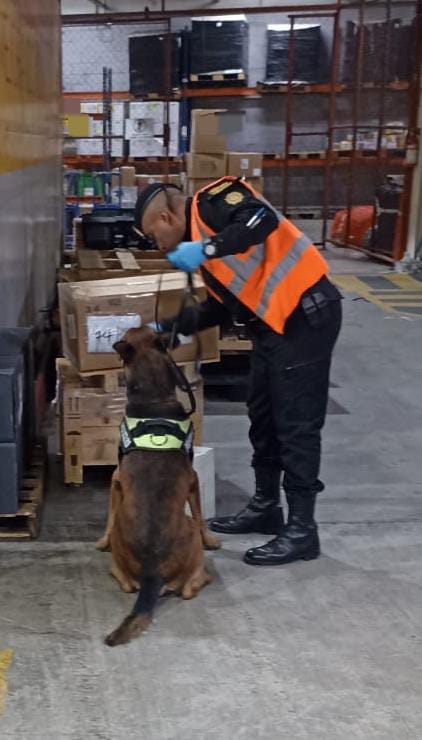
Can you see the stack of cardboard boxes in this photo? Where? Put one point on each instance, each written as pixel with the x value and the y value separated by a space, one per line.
pixel 208 159
pixel 92 397
pixel 130 184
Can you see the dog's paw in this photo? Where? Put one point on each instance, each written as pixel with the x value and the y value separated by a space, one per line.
pixel 210 541
pixel 103 543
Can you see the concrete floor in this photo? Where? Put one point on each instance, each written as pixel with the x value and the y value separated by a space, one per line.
pixel 330 649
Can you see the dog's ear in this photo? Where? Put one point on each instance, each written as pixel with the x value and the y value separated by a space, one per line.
pixel 165 341
pixel 125 350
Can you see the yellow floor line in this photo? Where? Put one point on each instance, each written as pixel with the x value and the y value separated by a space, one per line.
pixel 406 282
pixel 393 301
pixel 6 657
pixel 352 284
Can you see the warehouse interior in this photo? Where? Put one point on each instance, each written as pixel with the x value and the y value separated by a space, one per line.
pixel 318 107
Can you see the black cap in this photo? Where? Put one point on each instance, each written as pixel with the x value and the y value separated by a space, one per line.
pixel 145 198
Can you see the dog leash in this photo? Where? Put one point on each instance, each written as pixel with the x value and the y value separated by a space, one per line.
pixel 189 295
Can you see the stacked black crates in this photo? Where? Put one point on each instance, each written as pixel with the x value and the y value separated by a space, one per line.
pixel 219 48
pixel 307 53
pixel 148 69
pixel 18 417
pixel 388 52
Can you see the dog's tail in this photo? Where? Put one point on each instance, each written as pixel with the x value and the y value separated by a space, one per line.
pixel 141 615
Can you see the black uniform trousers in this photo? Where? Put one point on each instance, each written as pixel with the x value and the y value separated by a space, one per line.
pixel 288 395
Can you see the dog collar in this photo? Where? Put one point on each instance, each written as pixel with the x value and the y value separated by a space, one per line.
pixel 156 434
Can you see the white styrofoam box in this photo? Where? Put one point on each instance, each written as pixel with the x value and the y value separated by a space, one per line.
pixel 129 195
pixel 136 128
pixel 87 147
pixel 95 127
pixel 204 464
pixel 148 109
pixel 146 147
pixel 150 147
pixel 117 147
pixel 91 106
pixel 174 113
pixel 117 128
pixel 118 110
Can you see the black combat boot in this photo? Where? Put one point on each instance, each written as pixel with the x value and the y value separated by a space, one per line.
pixel 263 512
pixel 298 540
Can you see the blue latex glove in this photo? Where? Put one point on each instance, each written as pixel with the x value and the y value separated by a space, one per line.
pixel 187 256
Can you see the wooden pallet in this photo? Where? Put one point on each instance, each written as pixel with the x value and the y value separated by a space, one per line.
pixel 233 345
pixel 282 87
pixel 307 155
pixel 25 524
pixel 367 153
pixel 174 95
pixel 218 77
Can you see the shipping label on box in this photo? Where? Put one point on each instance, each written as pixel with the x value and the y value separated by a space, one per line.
pixel 136 128
pixel 104 331
pixel 244 164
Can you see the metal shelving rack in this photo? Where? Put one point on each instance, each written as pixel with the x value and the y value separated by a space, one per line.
pixel 354 160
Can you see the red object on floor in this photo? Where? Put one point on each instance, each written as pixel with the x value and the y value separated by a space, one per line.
pixel 361 220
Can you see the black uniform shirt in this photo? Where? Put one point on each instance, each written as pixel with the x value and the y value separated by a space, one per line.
pixel 227 211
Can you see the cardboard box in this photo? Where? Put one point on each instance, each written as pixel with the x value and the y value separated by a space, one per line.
pixel 127 177
pixel 257 183
pixel 143 181
pixel 212 166
pixel 90 416
pixel 244 164
pixel 205 131
pixel 209 128
pixel 195 184
pixel 95 314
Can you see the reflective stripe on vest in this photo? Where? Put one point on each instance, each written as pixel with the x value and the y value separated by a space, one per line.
pixel 268 278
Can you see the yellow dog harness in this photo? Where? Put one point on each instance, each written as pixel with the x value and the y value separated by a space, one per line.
pixel 156 434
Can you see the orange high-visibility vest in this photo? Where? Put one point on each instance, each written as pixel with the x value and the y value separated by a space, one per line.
pixel 268 278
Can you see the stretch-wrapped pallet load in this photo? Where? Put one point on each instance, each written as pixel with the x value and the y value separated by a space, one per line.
pixel 18 414
pixel 397 37
pixel 219 46
pixel 148 72
pixel 307 51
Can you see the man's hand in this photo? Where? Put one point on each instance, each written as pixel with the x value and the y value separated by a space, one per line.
pixel 187 256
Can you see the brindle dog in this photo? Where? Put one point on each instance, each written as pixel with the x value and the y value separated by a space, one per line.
pixel 155 546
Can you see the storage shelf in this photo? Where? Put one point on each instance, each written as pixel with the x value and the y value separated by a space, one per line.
pixel 270 161
pixel 217 92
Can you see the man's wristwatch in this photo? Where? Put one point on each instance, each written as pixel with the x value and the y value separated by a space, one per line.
pixel 209 248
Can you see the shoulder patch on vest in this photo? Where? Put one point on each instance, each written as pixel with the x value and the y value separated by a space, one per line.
pixel 219 188
pixel 234 198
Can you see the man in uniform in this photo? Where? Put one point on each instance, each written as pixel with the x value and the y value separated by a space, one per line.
pixel 259 269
